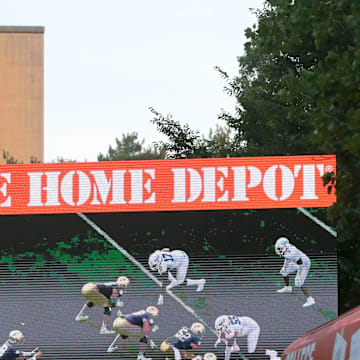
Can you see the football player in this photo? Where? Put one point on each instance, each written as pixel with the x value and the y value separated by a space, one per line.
pixel 105 295
pixel 164 261
pixel 10 351
pixel 229 327
pixel 295 260
pixel 184 340
pixel 138 325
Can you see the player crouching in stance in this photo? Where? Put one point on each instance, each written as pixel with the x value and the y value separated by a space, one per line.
pixel 184 340
pixel 105 295
pixel 165 260
pixel 10 351
pixel 295 260
pixel 229 327
pixel 136 325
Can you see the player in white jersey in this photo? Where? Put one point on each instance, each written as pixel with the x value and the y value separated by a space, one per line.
pixel 177 260
pixel 295 260
pixel 230 327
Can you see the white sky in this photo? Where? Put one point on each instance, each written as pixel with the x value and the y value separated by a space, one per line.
pixel 107 62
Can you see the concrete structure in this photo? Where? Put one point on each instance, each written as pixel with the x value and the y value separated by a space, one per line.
pixel 22 92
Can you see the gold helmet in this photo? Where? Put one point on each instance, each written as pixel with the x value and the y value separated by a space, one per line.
pixel 164 347
pixel 16 336
pixel 153 310
pixel 123 281
pixel 209 356
pixel 198 328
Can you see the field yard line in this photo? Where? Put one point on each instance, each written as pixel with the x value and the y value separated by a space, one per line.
pixel 318 221
pixel 142 268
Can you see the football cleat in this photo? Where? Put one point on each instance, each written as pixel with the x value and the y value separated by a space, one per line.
pixel 106 331
pixel 272 354
pixel 201 285
pixel 309 302
pixel 111 349
pixel 142 357
pixel 285 289
pixel 81 317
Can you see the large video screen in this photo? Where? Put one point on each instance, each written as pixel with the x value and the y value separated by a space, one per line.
pixel 199 284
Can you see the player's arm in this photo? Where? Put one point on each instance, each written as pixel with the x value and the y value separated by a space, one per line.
pixel 147 324
pixel 163 279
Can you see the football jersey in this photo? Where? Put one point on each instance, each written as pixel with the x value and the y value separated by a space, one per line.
pixel 239 326
pixel 293 254
pixel 107 289
pixel 173 259
pixel 7 352
pixel 139 317
pixel 183 339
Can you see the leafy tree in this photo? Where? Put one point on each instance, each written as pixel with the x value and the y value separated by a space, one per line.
pixel 304 56
pixel 184 142
pixel 60 159
pixel 130 148
pixel 9 159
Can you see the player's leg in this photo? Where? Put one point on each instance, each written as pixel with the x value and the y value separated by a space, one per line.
pixel 285 272
pixel 181 272
pixel 104 327
pixel 200 283
pixel 142 348
pixel 235 347
pixel 253 336
pixel 300 279
pixel 112 346
pixel 80 316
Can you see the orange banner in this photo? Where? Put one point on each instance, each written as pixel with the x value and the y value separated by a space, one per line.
pixel 166 185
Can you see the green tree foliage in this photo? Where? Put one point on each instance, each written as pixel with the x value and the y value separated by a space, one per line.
pixel 130 148
pixel 302 63
pixel 9 159
pixel 184 142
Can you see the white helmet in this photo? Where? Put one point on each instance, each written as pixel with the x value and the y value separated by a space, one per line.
pixel 281 245
pixel 123 281
pixel 153 310
pixel 221 323
pixel 198 328
pixel 209 356
pixel 155 259
pixel 16 336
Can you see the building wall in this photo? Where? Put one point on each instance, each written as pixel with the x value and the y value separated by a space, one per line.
pixel 22 92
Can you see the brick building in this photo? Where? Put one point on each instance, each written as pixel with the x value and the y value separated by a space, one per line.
pixel 22 92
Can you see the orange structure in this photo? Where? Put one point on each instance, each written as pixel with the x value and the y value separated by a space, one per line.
pixel 22 92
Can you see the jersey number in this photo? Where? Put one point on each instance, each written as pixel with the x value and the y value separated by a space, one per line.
pixel 183 334
pixel 234 320
pixel 167 257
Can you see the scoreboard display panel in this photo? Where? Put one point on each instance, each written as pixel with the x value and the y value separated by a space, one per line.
pixel 170 259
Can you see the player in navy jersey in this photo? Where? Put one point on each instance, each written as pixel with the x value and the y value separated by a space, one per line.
pixel 138 325
pixel 105 295
pixel 184 341
pixel 10 349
